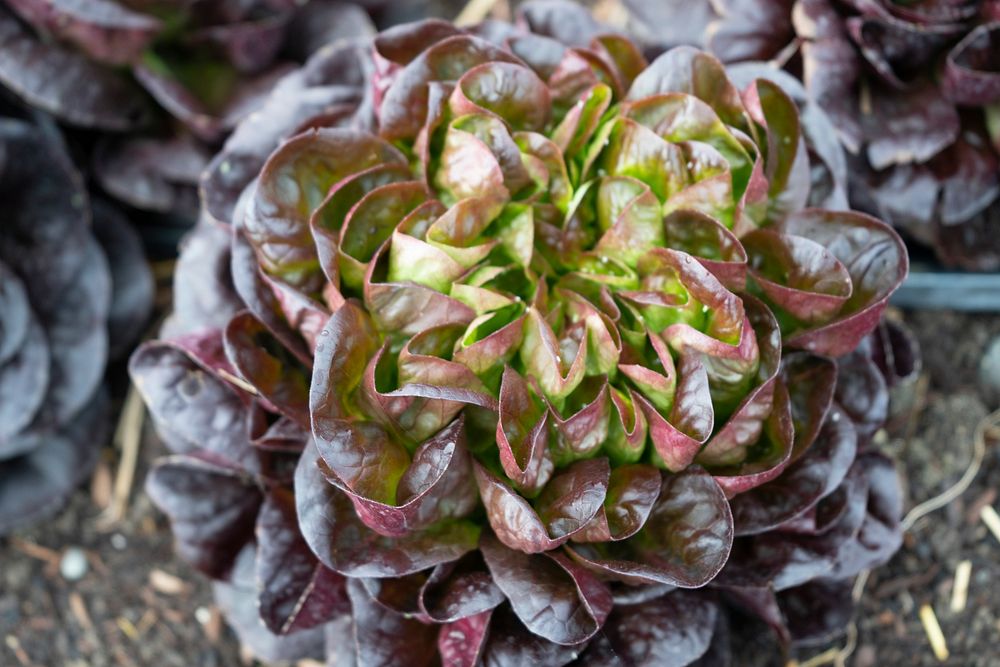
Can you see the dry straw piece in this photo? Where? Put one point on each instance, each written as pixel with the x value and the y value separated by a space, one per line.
pixel 991 519
pixel 960 592
pixel 934 634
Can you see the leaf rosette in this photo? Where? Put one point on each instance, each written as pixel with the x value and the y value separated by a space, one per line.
pixel 75 291
pixel 543 343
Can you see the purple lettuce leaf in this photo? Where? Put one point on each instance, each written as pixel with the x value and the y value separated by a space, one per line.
pixel 404 106
pixel 895 351
pixel 66 83
pixel 75 322
pixel 876 261
pixel 522 434
pixel 325 22
pixel 212 510
pixel 459 590
pixel 435 485
pixel 204 295
pixel 817 612
pixel 277 218
pixel 237 599
pixel 38 483
pixel 260 359
pixel 69 292
pixel 151 174
pixel 333 79
pixel 296 591
pixel 894 115
pixel 784 560
pixel 107 32
pixel 862 392
pixel 203 412
pixel 461 643
pixel 566 505
pixel 556 599
pixel 564 21
pixel 673 630
pixel 383 638
pixel 343 543
pixel 750 29
pixel 131 280
pixel 972 70
pixel 880 535
pixel 814 475
pixel 668 23
pixel 250 43
pixel 211 102
pixel 720 651
pixel 632 494
pixel 258 296
pixel 757 411
pixel 685 541
pixel 24 373
pixel 830 67
pixel 510 644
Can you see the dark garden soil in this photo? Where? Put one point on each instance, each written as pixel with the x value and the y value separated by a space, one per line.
pixel 933 453
pixel 137 605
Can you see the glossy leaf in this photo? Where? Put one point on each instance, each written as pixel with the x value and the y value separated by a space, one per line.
pixel 292 184
pixel 434 486
pixel 510 643
pixel 383 638
pixel 263 362
pixel 685 541
pixel 212 510
pixel 297 592
pixel 67 84
pixel 675 629
pixel 522 434
pixel 517 256
pixel 555 598
pixel 343 543
pixel 404 106
pixel 204 411
pixel 237 599
pixel 575 497
pixel 459 590
pixel 632 494
pixel 874 258
pixel 815 474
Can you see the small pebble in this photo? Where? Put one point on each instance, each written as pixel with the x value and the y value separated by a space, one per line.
pixel 989 369
pixel 73 565
pixel 119 542
pixel 202 615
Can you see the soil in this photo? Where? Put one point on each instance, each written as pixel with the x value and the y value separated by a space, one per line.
pixel 930 460
pixel 134 607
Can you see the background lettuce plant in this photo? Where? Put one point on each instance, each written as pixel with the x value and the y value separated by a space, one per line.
pixel 913 89
pixel 156 85
pixel 502 345
pixel 75 291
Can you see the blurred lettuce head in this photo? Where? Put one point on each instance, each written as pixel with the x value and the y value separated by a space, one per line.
pixel 75 292
pixel 529 341
pixel 153 85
